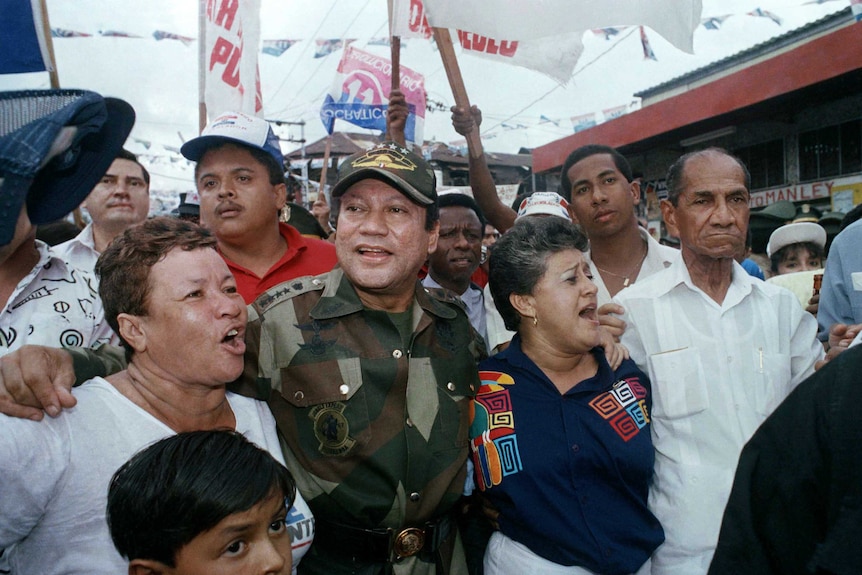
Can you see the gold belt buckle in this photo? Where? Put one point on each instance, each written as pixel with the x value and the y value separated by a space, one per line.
pixel 408 542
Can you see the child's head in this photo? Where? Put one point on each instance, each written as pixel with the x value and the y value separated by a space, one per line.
pixel 202 502
pixel 797 247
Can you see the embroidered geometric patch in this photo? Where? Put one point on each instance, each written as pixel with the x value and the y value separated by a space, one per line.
pixel 494 445
pixel 624 406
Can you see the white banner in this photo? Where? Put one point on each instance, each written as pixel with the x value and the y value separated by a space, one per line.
pixel 553 56
pixel 232 41
pixel 522 20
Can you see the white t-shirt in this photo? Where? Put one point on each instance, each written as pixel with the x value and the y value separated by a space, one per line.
pixel 55 305
pixel 54 478
pixel 717 371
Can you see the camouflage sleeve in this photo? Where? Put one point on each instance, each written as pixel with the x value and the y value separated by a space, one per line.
pixel 99 361
pixel 249 383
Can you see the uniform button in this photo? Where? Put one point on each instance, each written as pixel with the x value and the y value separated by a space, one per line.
pixel 397 354
pixel 316 282
pixel 472 388
pixel 450 386
pixel 343 389
pixel 414 497
pixel 576 448
pixel 409 422
pixel 298 396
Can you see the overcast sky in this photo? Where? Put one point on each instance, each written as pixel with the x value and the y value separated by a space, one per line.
pixel 159 78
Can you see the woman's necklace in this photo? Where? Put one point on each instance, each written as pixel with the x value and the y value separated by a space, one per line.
pixel 632 272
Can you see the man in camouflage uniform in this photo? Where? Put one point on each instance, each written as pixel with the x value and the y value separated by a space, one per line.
pixel 370 377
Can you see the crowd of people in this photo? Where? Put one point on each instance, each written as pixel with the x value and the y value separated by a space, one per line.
pixel 437 384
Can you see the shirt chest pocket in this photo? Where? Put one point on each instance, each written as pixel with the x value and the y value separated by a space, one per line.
pixel 678 383
pixel 331 403
pixel 770 380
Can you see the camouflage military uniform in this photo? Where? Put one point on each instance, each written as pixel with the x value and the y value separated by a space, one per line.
pixel 377 430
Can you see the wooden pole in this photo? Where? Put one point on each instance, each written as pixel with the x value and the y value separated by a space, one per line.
pixel 395 45
pixel 49 44
pixel 395 51
pixel 202 65
pixel 456 82
pixel 322 189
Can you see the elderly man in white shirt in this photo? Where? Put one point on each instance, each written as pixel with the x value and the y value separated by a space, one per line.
pixel 722 351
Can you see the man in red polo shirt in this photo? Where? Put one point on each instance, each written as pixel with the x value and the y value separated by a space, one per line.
pixel 240 180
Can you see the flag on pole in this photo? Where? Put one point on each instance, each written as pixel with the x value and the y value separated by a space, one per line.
pixel 162 35
pixel 360 94
pixel 534 35
pixel 675 20
pixel 23 45
pixel 648 53
pixel 766 14
pixel 555 56
pixel 231 75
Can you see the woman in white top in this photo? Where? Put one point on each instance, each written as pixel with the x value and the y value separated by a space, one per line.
pixel 174 303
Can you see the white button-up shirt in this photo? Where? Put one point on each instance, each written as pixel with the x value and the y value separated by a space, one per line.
pixel 658 257
pixel 717 371
pixel 80 251
pixel 55 305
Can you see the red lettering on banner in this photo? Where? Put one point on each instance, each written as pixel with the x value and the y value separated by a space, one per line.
pixel 226 53
pixel 418 22
pixel 477 43
pixel 227 14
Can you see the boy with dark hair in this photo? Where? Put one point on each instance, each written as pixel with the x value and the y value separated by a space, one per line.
pixel 202 502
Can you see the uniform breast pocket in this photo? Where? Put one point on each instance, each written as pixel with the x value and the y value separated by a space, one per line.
pixel 678 383
pixel 331 403
pixel 770 382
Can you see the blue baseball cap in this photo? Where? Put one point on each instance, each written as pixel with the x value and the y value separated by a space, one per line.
pixel 55 145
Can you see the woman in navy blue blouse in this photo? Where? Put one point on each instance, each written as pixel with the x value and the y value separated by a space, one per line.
pixel 560 440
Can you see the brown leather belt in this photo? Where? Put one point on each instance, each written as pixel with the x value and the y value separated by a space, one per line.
pixel 382 545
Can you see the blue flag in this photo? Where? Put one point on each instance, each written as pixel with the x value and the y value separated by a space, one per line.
pixel 22 40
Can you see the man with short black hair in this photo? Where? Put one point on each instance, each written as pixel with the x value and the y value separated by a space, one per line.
pixel 240 180
pixel 370 377
pixel 120 199
pixel 458 255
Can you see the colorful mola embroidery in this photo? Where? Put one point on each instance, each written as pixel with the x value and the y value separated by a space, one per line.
pixel 624 407
pixel 494 445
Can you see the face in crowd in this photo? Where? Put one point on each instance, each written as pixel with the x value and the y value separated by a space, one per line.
pixel 382 242
pixel 122 196
pixel 459 249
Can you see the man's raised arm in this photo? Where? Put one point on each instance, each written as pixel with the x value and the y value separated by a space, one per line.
pixel 496 212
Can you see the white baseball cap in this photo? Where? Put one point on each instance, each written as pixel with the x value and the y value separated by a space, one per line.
pixel 547 203
pixel 798 232
pixel 234 127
